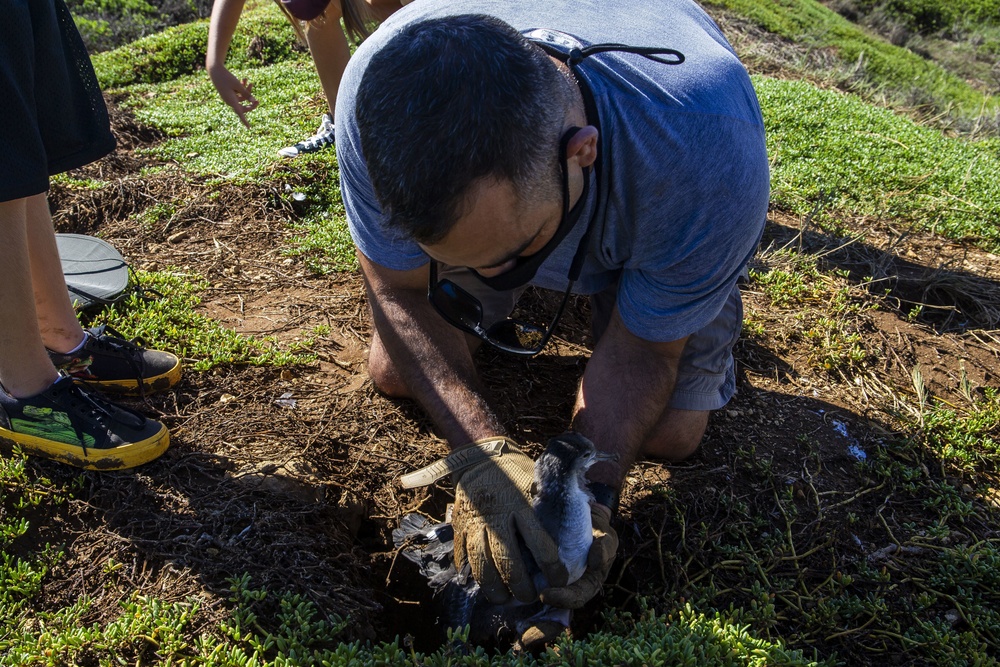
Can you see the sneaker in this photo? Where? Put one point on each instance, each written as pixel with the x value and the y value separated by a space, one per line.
pixel 111 363
pixel 324 137
pixel 69 423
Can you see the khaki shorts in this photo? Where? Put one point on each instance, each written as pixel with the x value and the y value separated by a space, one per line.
pixel 706 378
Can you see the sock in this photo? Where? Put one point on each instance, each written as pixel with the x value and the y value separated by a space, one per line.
pixel 79 347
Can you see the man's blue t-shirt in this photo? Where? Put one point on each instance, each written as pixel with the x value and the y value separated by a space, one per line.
pixel 683 182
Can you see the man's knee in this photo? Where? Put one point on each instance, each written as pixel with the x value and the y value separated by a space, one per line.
pixel 677 435
pixel 383 372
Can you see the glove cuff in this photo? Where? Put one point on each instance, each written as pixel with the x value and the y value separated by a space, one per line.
pixel 461 459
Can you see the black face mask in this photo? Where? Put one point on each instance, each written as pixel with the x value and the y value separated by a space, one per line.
pixel 525 268
pixel 570 51
pixel 464 310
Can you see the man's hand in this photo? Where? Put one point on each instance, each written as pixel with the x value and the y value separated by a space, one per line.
pixel 599 560
pixel 492 506
pixel 535 638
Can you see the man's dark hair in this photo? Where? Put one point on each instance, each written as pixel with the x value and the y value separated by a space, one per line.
pixel 449 101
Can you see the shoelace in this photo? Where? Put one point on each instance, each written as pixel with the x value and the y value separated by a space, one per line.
pixel 96 408
pixel 109 339
pixel 316 141
pixel 322 137
pixel 92 407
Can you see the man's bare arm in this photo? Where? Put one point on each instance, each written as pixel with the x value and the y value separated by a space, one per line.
pixel 417 354
pixel 623 396
pixel 624 393
pixel 415 347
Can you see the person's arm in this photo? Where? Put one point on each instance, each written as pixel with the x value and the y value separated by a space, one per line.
pixel 330 51
pixel 624 393
pixel 234 92
pixel 417 354
pixel 431 358
pixel 625 389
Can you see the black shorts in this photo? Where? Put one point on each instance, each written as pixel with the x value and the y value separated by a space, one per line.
pixel 52 114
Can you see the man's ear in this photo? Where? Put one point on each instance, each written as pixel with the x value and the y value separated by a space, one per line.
pixel 583 146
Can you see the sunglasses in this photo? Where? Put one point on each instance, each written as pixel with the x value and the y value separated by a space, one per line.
pixel 464 311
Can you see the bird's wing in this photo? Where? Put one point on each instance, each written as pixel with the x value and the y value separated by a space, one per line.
pixel 429 545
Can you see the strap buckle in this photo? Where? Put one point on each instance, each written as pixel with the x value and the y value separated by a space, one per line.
pixel 460 459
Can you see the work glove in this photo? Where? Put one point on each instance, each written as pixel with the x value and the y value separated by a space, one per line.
pixel 599 560
pixel 492 507
pixel 537 637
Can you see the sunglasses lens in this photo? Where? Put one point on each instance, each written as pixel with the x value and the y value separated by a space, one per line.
pixel 515 335
pixel 457 305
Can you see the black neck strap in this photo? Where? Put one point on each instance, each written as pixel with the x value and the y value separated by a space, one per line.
pixel 652 52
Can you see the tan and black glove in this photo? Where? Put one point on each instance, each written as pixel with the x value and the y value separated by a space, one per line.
pixel 542 634
pixel 599 560
pixel 493 480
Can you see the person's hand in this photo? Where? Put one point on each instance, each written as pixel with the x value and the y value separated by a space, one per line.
pixel 492 507
pixel 599 560
pixel 234 92
pixel 535 638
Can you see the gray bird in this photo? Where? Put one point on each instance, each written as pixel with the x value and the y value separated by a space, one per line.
pixel 561 500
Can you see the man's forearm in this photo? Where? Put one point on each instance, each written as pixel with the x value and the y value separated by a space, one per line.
pixel 625 389
pixel 434 362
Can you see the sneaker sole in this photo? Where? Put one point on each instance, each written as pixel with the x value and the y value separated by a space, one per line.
pixel 117 458
pixel 130 387
pixel 295 152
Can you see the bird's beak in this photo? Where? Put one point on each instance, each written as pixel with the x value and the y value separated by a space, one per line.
pixel 605 456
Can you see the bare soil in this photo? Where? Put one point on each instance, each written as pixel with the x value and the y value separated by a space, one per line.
pixel 303 495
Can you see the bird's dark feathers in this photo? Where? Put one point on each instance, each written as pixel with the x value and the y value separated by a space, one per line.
pixel 456 594
pixel 429 546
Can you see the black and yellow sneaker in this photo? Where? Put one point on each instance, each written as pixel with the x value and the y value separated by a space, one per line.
pixel 70 423
pixel 110 363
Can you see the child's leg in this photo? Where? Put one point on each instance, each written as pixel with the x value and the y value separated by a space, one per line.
pixel 57 323
pixel 25 368
pixel 330 53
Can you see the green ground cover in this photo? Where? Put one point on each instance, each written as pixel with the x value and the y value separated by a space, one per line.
pixel 871 65
pixel 169 321
pixel 930 15
pixel 107 24
pixel 264 37
pixel 162 633
pixel 871 162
